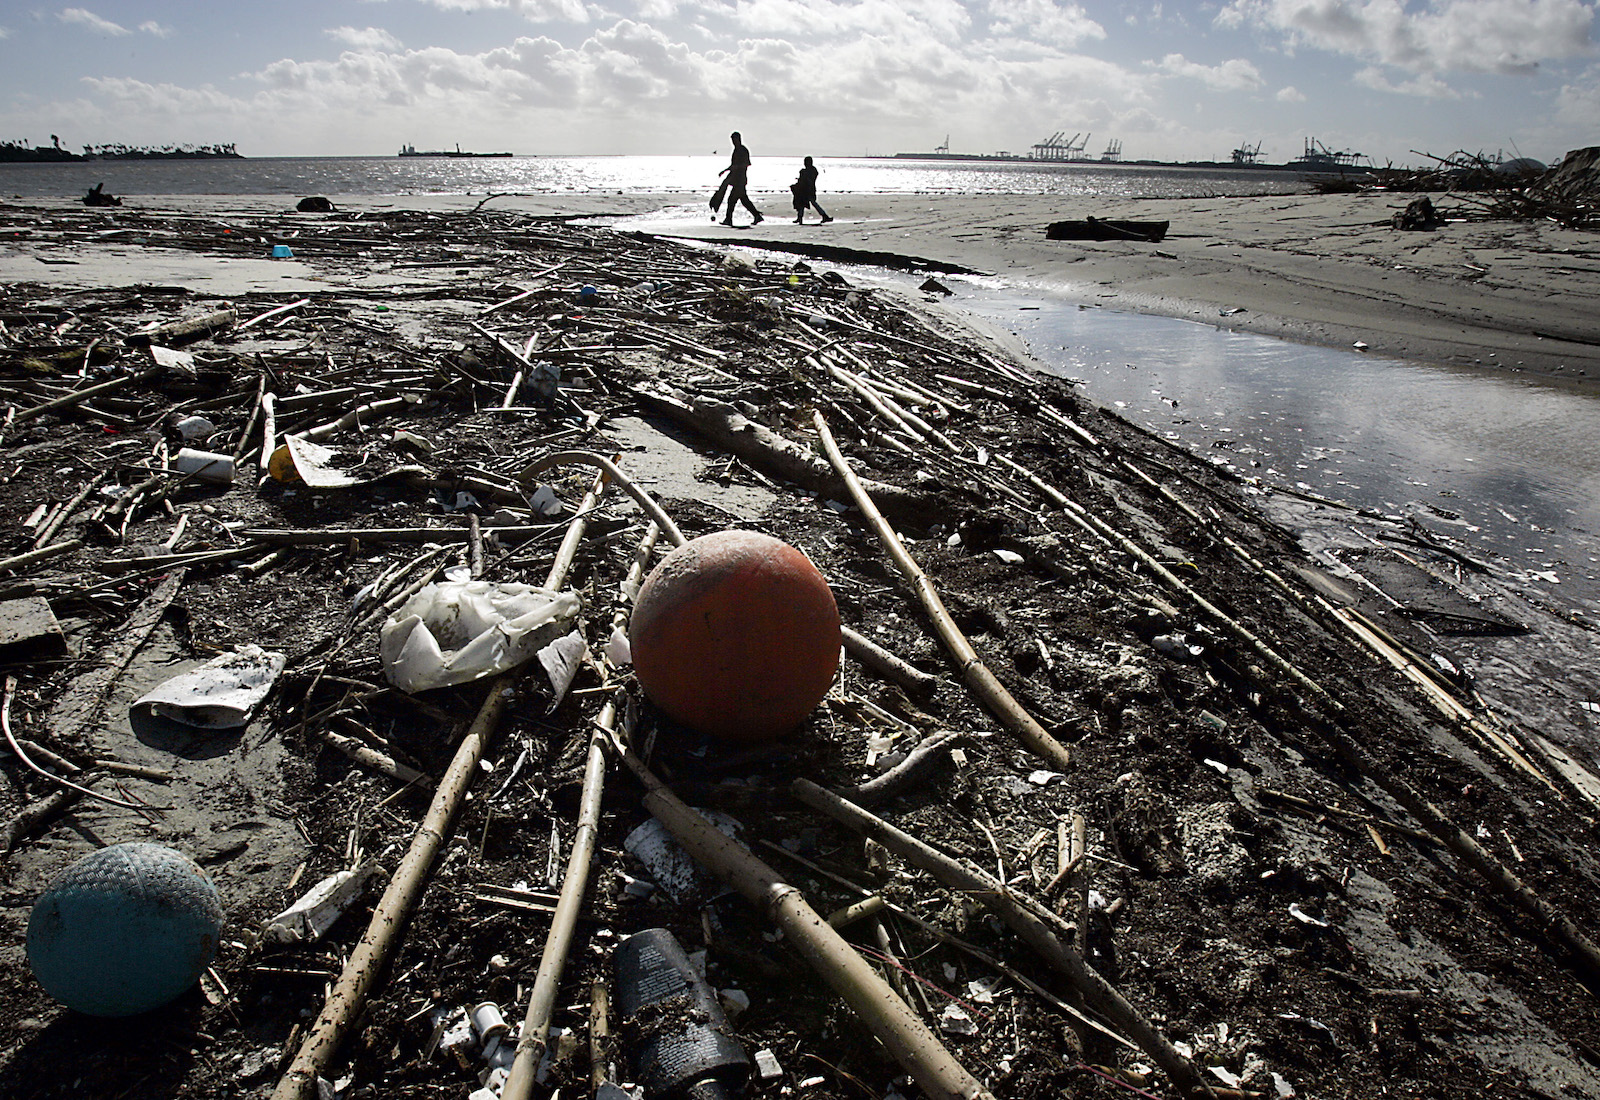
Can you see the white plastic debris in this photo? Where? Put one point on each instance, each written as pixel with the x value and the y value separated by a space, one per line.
pixel 1010 557
pixel 207 466
pixel 221 694
pixel 1176 647
pixel 561 660
pixel 619 651
pixel 672 868
pixel 954 1021
pixel 309 918
pixel 195 428
pixel 545 502
pixel 1303 917
pixel 734 1001
pixel 981 990
pixel 454 633
pixel 171 358
pixel 768 1067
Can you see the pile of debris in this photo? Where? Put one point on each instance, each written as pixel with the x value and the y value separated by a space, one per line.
pixel 1523 189
pixel 1113 721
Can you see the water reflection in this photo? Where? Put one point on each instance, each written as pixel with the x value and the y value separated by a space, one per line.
pixel 622 175
pixel 1505 464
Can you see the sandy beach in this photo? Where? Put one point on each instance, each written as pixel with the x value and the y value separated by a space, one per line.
pixel 1230 732
pixel 1322 269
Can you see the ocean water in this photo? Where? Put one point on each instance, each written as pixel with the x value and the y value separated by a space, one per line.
pixel 625 175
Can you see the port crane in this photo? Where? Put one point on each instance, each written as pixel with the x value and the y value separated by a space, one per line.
pixel 1246 153
pixel 1060 147
pixel 1113 150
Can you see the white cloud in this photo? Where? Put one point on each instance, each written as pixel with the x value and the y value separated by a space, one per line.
pixel 5 32
pixel 1235 75
pixel 82 17
pixel 1290 94
pixel 535 11
pixel 364 38
pixel 152 27
pixel 1045 21
pixel 1578 102
pixel 1483 36
pixel 1423 85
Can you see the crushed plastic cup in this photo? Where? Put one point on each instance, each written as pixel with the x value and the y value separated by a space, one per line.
pixel 282 252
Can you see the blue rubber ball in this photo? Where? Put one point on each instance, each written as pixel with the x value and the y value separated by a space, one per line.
pixel 124 930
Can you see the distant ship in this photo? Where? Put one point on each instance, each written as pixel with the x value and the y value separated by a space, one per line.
pixel 413 151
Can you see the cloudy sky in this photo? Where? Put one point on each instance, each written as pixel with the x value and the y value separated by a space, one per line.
pixel 1174 79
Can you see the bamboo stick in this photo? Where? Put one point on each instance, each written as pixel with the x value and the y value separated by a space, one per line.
pixel 533 1040
pixel 918 1051
pixel 1096 990
pixel 360 974
pixel 984 684
pixel 1551 920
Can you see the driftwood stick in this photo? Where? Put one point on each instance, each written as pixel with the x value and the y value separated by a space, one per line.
pixel 43 553
pixel 917 1049
pixel 360 974
pixel 599 1034
pixel 535 1034
pixel 370 757
pixel 78 397
pixel 48 531
pixel 902 775
pixel 984 684
pixel 887 665
pixel 66 784
pixel 736 434
pixel 1096 990
pixel 242 447
pixel 534 1038
pixel 271 313
pixel 372 410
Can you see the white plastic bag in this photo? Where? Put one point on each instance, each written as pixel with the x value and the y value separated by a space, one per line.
pixel 456 632
pixel 221 694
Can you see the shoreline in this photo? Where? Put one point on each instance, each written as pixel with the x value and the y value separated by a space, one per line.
pixel 1517 297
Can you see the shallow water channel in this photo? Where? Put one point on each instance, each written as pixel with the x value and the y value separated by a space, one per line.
pixel 1508 466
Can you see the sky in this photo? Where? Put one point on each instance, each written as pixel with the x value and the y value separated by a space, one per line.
pixel 1392 79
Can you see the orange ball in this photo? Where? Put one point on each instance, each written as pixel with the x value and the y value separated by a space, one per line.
pixel 736 634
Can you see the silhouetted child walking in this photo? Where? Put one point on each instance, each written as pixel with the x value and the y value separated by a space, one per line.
pixel 805 194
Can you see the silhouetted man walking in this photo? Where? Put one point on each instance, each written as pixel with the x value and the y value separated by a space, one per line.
pixel 738 171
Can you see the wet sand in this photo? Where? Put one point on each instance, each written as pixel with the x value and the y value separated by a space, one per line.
pixel 1319 269
pixel 1323 269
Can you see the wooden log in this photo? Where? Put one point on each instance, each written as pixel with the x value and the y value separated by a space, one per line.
pixel 183 332
pixel 733 432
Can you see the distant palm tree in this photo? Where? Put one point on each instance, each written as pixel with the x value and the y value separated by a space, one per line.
pixel 56 141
